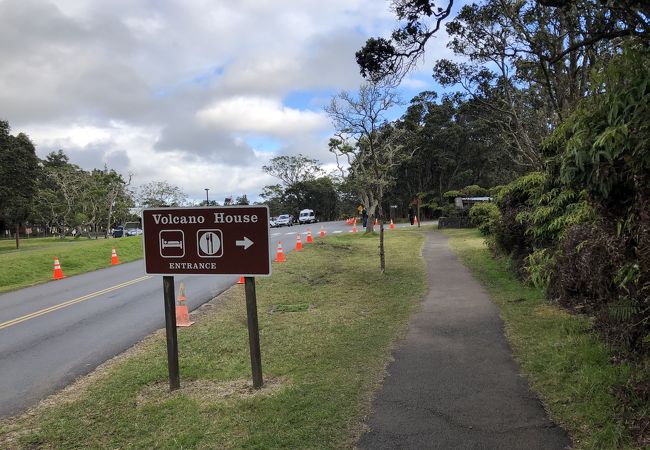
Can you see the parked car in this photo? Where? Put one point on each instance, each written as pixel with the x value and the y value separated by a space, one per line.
pixel 272 223
pixel 118 231
pixel 284 221
pixel 132 228
pixel 307 216
pixel 133 231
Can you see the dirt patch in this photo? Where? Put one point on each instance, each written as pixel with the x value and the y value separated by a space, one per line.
pixel 210 391
pixel 330 245
pixel 317 279
pixel 550 312
pixel 285 308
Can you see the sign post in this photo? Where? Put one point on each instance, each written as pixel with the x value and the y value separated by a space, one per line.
pixel 231 240
pixel 253 331
pixel 416 200
pixel 170 326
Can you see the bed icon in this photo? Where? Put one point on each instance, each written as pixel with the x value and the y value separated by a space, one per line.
pixel 172 243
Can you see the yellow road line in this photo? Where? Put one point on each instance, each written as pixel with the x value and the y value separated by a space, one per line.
pixel 70 303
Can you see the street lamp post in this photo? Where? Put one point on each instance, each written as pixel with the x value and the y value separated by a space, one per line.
pixel 207 200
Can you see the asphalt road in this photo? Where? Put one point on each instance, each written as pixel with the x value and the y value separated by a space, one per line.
pixel 52 333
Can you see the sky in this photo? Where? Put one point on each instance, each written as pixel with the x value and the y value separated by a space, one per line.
pixel 198 93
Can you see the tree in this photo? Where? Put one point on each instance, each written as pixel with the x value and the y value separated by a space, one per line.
pixel 621 18
pixel 18 177
pixel 527 63
pixel 299 174
pixel 586 24
pixel 293 169
pixel 381 58
pixel 243 200
pixel 371 148
pixel 509 45
pixel 63 192
pixel 208 203
pixel 56 159
pixel 158 194
pixel 113 194
pixel 455 145
pixel 273 198
pixel 318 194
pixel 67 197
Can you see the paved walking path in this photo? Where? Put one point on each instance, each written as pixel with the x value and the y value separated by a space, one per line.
pixel 454 383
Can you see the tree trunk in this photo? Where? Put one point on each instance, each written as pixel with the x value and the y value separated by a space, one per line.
pixel 108 221
pixel 370 225
pixel 382 256
pixel 382 253
pixel 17 236
pixel 371 205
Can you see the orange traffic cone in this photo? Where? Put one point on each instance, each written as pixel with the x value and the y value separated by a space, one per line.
pixel 182 313
pixel 298 243
pixel 58 273
pixel 417 222
pixel 376 221
pixel 181 293
pixel 279 256
pixel 310 240
pixel 322 231
pixel 183 316
pixel 354 227
pixel 392 225
pixel 241 280
pixel 114 260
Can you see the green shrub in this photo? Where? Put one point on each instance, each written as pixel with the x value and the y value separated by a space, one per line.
pixel 540 266
pixel 510 234
pixel 495 190
pixel 606 143
pixel 553 213
pixel 474 190
pixel 451 195
pixel 452 211
pixel 603 151
pixel 485 217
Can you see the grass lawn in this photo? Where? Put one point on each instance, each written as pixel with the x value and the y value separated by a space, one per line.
pixel 566 363
pixel 34 262
pixel 328 320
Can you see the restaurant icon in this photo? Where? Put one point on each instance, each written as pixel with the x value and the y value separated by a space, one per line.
pixel 172 243
pixel 209 243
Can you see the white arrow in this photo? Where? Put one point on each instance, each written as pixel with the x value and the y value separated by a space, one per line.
pixel 245 243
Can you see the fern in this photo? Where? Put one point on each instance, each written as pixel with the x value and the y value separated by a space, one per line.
pixel 623 311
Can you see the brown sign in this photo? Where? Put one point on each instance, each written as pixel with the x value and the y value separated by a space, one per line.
pixel 228 240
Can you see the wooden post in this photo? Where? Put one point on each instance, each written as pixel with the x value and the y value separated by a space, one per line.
pixel 172 339
pixel 253 331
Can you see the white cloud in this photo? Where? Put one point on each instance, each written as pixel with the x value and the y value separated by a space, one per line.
pixel 261 115
pixel 168 89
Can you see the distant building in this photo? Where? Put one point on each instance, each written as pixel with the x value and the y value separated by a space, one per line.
pixel 468 202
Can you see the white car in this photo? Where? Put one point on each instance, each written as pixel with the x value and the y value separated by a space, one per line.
pixel 307 216
pixel 284 221
pixel 272 223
